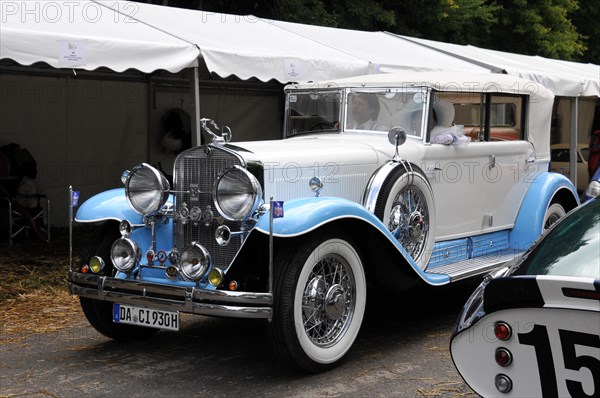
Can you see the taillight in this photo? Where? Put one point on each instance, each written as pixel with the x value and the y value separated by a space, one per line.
pixel 502 331
pixel 503 357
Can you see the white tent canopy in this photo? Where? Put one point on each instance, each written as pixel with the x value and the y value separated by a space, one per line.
pixel 87 35
pixel 121 34
pixel 563 78
pixel 384 51
pixel 249 47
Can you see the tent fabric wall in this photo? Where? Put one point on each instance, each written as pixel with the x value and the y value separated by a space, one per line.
pixel 252 114
pixel 82 132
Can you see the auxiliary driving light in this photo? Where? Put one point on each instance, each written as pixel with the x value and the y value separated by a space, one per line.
pixel 124 253
pixel 125 228
pixel 215 276
pixel 195 261
pixel 223 235
pixel 96 264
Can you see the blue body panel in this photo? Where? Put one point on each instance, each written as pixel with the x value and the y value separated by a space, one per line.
pixel 528 226
pixel 307 214
pixel 108 205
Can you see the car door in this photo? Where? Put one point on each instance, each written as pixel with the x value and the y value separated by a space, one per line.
pixel 478 186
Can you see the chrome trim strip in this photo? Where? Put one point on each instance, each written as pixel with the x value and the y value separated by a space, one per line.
pixel 180 298
pixel 187 307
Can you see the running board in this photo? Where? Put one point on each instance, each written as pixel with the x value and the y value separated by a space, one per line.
pixel 475 266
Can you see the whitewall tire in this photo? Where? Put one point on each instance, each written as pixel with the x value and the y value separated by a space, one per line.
pixel 320 297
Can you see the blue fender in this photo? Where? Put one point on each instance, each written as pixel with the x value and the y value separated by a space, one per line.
pixel 108 205
pixel 302 216
pixel 528 225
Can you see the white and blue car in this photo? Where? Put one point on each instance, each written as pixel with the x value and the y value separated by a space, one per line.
pixel 386 180
pixel 532 329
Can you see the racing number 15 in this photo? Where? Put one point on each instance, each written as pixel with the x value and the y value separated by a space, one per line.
pixel 538 338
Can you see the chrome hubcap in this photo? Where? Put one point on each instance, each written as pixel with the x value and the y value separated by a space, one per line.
pixel 409 220
pixel 328 301
pixel 335 302
pixel 415 227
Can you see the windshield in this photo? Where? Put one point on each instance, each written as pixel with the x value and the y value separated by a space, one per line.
pixel 571 248
pixel 380 111
pixel 314 111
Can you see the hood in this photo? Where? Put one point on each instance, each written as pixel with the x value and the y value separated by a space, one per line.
pixel 344 162
pixel 307 150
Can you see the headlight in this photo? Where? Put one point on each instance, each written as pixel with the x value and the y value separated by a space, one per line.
pixel 124 253
pixel 147 190
pixel 195 261
pixel 237 194
pixel 593 189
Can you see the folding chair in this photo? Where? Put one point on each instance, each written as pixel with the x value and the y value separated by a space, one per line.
pixel 20 219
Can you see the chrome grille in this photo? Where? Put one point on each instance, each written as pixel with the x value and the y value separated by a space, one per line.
pixel 194 175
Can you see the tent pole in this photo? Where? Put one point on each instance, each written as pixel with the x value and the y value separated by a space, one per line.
pixel 573 140
pixel 196 132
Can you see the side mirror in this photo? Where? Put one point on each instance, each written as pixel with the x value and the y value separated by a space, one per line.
pixel 397 137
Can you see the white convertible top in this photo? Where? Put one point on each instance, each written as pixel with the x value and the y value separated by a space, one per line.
pixel 540 103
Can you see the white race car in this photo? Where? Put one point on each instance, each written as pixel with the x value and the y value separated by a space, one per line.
pixel 533 329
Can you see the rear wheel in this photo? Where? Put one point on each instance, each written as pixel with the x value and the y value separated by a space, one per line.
pixel 319 302
pixel 99 313
pixel 554 212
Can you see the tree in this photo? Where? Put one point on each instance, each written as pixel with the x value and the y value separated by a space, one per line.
pixel 586 19
pixel 540 27
pixel 452 21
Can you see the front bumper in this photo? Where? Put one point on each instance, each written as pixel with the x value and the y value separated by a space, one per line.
pixel 172 298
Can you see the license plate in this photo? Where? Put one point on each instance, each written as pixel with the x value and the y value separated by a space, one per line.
pixel 168 320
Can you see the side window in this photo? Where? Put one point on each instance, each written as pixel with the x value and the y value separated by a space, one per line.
pixel 484 117
pixel 505 118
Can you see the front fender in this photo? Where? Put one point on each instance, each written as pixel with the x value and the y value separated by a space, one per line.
pixel 529 222
pixel 302 216
pixel 108 205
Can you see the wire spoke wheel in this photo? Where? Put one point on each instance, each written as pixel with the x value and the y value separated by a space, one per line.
pixel 328 301
pixel 405 206
pixel 408 220
pixel 319 301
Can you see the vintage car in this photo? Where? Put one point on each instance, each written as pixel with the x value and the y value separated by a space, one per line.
pixel 293 230
pixel 532 329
